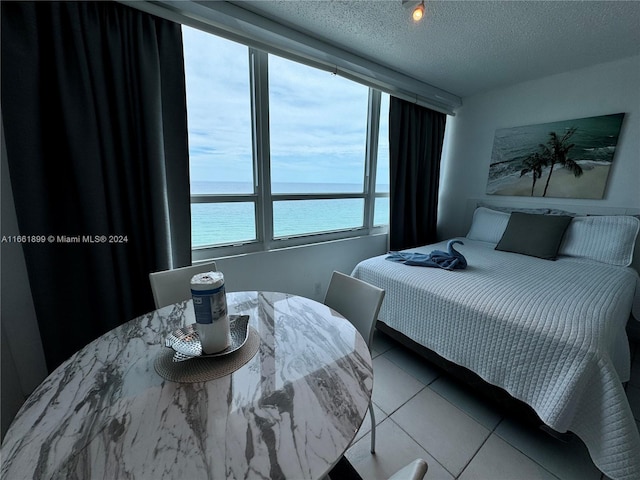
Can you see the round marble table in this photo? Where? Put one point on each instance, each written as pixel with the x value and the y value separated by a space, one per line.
pixel 290 412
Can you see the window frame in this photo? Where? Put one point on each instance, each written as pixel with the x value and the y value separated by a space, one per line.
pixel 262 197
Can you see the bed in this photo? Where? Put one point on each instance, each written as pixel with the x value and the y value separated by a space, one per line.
pixel 550 332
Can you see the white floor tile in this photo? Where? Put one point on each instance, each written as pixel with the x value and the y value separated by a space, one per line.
pixel 394 450
pixel 467 400
pixel 413 364
pixel 392 387
pixel 450 426
pixel 567 461
pixel 381 343
pixel 449 435
pixel 497 460
pixel 366 424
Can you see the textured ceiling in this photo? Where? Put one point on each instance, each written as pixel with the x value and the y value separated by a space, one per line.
pixel 467 47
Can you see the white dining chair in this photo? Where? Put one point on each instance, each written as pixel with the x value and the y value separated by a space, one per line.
pixel 359 302
pixel 416 470
pixel 171 286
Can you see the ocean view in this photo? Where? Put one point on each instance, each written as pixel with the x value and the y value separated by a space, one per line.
pixel 591 146
pixel 220 223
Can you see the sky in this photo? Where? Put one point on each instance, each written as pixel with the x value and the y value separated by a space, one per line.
pixel 317 120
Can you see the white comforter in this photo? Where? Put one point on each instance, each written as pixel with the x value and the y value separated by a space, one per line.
pixel 551 333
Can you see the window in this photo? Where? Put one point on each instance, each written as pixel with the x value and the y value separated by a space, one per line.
pixel 220 141
pixel 318 133
pixel 280 153
pixel 318 129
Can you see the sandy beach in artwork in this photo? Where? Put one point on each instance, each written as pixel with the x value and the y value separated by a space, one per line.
pixel 563 184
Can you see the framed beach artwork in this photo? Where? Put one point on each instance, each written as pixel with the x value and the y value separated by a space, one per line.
pixel 566 159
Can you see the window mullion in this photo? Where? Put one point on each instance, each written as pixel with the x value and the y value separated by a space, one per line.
pixel 262 164
pixel 222 198
pixel 373 127
pixel 315 196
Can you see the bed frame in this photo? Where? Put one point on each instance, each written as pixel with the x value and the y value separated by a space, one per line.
pixel 496 395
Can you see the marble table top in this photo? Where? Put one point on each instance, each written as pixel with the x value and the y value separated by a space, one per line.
pixel 290 412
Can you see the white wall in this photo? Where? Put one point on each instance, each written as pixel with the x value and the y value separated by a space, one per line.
pixel 304 270
pixel 598 90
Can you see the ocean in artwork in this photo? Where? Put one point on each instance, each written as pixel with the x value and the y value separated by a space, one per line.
pixel 593 147
pixel 234 222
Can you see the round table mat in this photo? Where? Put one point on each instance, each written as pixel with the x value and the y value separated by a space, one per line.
pixel 205 369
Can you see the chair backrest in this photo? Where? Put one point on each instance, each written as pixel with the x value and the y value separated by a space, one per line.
pixel 357 301
pixel 416 470
pixel 171 286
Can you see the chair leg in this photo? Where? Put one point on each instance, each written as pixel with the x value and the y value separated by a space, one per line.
pixel 373 428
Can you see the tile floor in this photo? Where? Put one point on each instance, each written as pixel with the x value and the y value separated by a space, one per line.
pixel 462 436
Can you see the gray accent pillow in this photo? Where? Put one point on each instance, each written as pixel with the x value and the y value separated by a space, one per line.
pixel 534 235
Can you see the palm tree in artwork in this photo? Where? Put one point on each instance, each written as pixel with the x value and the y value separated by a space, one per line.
pixel 556 150
pixel 534 163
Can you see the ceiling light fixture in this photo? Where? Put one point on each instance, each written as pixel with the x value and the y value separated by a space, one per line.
pixel 418 12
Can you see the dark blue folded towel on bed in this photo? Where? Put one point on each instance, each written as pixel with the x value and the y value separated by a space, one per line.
pixel 449 260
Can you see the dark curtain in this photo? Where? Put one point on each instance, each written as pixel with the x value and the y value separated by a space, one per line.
pixel 415 146
pixel 94 111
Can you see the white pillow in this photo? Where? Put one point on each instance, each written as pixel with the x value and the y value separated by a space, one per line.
pixel 488 225
pixel 606 239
